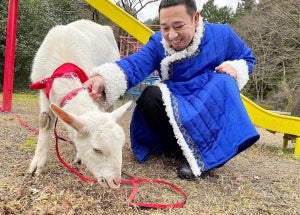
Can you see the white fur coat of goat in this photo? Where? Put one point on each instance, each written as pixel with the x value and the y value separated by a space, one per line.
pixel 97 136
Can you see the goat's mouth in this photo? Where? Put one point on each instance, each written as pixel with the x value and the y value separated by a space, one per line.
pixel 112 184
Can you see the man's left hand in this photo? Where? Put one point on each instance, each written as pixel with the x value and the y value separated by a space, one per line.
pixel 227 69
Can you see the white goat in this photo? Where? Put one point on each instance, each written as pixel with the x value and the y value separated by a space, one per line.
pixel 97 136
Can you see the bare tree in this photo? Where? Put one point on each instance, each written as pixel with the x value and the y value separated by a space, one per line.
pixel 133 7
pixel 272 30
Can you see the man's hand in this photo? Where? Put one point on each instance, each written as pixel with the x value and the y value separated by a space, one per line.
pixel 227 69
pixel 96 85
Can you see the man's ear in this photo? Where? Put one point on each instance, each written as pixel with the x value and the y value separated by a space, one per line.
pixel 197 18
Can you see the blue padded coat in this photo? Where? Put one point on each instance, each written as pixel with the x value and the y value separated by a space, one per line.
pixel 205 109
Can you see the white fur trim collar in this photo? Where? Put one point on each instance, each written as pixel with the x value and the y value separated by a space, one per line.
pixel 173 55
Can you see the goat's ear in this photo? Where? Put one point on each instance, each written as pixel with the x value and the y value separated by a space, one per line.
pixel 66 117
pixel 118 113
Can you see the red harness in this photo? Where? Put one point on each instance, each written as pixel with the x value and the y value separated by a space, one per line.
pixel 66 70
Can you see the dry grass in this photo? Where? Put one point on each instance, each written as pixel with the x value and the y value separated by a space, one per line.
pixel 262 180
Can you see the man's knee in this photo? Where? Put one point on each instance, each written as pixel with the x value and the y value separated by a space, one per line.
pixel 151 96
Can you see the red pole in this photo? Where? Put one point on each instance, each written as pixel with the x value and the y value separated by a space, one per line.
pixel 10 55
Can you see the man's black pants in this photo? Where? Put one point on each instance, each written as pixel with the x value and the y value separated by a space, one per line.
pixel 151 105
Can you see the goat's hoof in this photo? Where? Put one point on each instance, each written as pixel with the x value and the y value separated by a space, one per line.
pixel 34 169
pixel 35 172
pixel 32 173
pixel 77 161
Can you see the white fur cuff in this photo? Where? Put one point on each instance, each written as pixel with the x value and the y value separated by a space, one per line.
pixel 242 72
pixel 115 82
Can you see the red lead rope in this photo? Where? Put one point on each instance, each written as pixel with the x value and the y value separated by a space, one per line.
pixel 137 181
pixel 134 181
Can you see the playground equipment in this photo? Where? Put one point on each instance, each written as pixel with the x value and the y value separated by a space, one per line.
pixel 128 46
pixel 288 125
pixel 9 55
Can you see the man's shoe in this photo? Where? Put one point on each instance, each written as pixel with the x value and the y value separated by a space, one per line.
pixel 185 171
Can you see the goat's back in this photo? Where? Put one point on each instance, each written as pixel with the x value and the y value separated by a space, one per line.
pixel 83 42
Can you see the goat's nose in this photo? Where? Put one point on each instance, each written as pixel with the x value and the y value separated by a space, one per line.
pixel 117 181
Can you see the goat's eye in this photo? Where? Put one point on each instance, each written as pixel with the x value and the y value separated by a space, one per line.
pixel 97 150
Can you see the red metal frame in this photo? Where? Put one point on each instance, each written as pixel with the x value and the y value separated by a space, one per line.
pixel 10 55
pixel 128 45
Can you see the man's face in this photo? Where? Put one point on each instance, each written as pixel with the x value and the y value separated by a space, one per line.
pixel 177 27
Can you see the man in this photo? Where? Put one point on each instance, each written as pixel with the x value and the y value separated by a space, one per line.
pixel 195 111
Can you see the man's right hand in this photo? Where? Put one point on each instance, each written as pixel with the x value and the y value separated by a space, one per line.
pixel 96 85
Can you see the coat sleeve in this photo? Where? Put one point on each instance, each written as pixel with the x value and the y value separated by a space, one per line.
pixel 142 63
pixel 239 56
pixel 127 72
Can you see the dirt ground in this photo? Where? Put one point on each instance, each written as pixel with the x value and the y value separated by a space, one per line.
pixel 262 180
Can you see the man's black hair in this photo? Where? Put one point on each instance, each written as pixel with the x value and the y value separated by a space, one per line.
pixel 190 5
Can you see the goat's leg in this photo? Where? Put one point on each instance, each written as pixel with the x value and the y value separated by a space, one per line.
pixel 77 159
pixel 46 124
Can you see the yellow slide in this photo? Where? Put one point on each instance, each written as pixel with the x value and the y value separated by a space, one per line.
pixel 289 126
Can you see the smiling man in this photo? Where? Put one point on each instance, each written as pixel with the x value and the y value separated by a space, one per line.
pixel 194 112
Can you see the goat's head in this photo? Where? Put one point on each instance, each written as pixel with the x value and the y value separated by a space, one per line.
pixel 99 140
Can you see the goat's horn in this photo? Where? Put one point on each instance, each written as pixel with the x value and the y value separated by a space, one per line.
pixel 118 113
